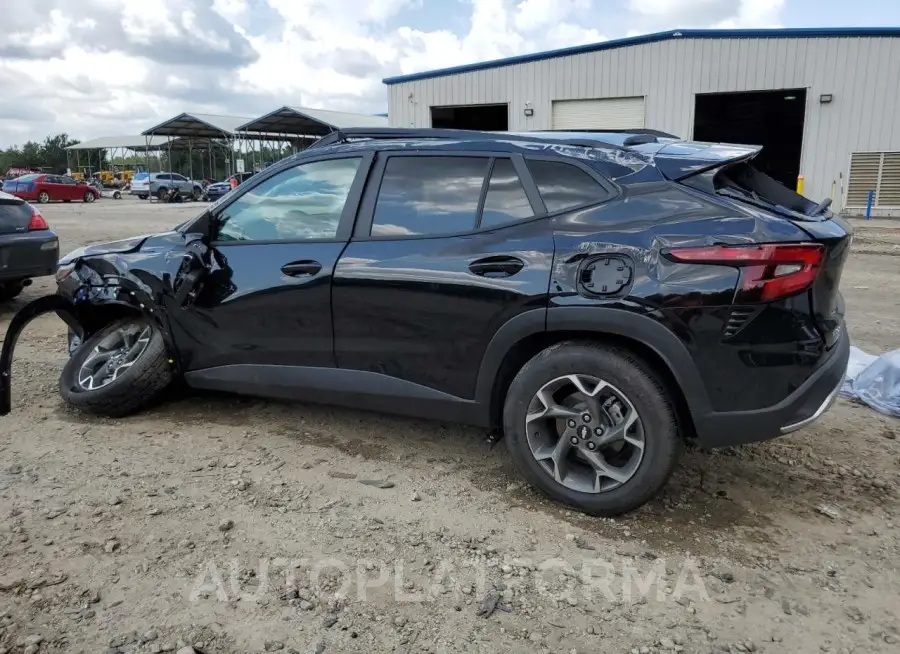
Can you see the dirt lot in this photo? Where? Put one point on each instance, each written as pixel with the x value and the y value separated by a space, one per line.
pixel 241 525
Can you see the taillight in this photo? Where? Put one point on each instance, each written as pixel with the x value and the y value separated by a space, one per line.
pixel 37 221
pixel 768 272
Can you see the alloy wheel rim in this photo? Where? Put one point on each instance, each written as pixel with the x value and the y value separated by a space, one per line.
pixel 112 356
pixel 585 433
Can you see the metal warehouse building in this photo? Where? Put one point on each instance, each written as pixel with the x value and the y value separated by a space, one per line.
pixel 823 102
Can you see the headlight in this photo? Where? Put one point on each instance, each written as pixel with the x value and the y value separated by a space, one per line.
pixel 63 271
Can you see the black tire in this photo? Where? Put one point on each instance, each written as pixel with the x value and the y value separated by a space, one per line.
pixel 88 197
pixel 633 377
pixel 143 196
pixel 134 389
pixel 196 194
pixel 10 290
pixel 43 197
pixel 161 193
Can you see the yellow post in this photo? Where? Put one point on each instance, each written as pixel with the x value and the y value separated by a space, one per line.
pixel 800 184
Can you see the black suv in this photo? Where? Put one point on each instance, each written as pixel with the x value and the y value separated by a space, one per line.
pixel 595 297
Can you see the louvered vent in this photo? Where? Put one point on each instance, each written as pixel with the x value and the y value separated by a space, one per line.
pixel 864 171
pixel 889 186
pixel 736 321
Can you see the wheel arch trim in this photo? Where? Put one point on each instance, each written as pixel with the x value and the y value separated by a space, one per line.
pixel 600 320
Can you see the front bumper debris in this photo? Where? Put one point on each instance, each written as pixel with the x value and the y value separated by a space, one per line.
pixel 57 304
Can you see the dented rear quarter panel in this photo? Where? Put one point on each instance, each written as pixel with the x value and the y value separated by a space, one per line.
pixel 693 302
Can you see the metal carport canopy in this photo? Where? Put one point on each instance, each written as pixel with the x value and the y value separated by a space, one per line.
pixel 301 121
pixel 199 126
pixel 132 142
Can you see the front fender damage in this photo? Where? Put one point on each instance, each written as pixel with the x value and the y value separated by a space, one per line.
pixel 102 286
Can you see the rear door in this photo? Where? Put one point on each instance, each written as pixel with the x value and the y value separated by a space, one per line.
pixel 266 304
pixel 448 248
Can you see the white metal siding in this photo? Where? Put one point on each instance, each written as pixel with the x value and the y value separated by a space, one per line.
pixel 860 73
pixel 598 113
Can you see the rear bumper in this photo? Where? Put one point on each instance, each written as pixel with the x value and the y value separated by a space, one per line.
pixel 801 408
pixel 32 254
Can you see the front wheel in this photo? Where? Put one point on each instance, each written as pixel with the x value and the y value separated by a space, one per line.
pixel 89 197
pixel 117 371
pixel 161 193
pixel 43 197
pixel 591 426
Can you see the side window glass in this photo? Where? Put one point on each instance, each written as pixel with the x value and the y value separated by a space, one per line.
pixel 429 195
pixel 303 202
pixel 66 180
pixel 179 178
pixel 163 177
pixel 506 200
pixel 563 186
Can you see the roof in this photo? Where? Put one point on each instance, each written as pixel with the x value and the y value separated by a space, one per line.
pixel 309 122
pixel 132 142
pixel 783 33
pixel 199 125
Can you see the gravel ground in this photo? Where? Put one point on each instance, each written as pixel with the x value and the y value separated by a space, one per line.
pixel 232 525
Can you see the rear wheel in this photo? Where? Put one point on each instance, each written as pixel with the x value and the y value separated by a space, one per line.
pixel 43 197
pixel 9 290
pixel 143 196
pixel 196 194
pixel 591 426
pixel 119 370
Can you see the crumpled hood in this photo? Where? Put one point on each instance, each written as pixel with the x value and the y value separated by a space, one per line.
pixel 113 247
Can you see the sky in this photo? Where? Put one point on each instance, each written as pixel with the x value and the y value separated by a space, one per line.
pixel 113 67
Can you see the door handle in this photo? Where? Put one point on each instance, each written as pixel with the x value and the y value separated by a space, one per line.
pixel 300 268
pixel 496 266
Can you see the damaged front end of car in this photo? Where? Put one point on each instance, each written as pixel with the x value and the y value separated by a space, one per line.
pixel 151 276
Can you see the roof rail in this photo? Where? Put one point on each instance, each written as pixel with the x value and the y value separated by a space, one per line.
pixel 640 131
pixel 346 134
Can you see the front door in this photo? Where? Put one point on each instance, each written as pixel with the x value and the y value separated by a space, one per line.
pixel 70 190
pixel 447 249
pixel 267 299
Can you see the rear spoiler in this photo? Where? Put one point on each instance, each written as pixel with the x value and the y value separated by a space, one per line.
pixel 678 161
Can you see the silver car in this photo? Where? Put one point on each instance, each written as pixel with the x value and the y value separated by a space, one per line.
pixel 144 185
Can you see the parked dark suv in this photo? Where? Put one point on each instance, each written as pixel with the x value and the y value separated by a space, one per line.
pixel 597 298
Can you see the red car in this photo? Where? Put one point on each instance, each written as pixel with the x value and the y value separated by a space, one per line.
pixel 43 188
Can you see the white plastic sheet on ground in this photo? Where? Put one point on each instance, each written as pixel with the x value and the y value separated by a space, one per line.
pixel 874 380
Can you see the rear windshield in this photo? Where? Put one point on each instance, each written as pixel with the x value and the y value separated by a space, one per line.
pixel 140 176
pixel 13 215
pixel 28 178
pixel 752 185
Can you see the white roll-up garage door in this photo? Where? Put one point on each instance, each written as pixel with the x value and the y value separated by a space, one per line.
pixel 599 113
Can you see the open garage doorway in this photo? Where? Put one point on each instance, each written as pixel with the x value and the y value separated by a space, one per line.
pixel 484 117
pixel 772 119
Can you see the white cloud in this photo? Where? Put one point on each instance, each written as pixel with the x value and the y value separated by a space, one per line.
pixel 105 67
pixel 669 14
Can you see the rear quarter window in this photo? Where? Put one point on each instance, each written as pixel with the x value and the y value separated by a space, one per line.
pixel 564 186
